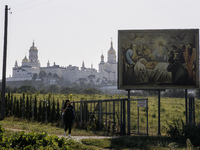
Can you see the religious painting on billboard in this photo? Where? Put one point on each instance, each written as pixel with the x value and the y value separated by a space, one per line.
pixel 158 59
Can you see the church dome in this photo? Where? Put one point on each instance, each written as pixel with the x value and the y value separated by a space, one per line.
pixel 33 47
pixel 111 50
pixel 25 59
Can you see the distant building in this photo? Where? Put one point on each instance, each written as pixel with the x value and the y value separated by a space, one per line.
pixel 31 70
pixel 108 70
pixel 28 68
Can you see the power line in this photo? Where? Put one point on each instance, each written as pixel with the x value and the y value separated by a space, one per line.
pixel 25 3
pixel 43 3
pixel 19 5
pixel 28 7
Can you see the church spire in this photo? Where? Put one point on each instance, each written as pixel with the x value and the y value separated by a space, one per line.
pixel 83 66
pixel 111 53
pixel 16 64
pixel 33 43
pixel 91 65
pixel 48 64
pixel 111 43
pixel 102 58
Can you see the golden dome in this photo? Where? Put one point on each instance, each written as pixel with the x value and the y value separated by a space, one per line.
pixel 33 47
pixel 111 50
pixel 25 59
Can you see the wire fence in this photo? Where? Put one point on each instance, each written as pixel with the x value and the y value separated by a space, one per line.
pixel 117 116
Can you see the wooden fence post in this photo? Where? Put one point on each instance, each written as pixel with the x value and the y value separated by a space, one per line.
pixel 100 114
pixel 84 111
pixel 12 106
pixel 23 107
pixel 114 116
pixel 81 117
pixel 46 111
pixel 61 113
pixel 32 110
pixel 121 123
pixel 124 117
pixel 106 115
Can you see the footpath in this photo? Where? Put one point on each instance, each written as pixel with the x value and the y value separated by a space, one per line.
pixel 77 138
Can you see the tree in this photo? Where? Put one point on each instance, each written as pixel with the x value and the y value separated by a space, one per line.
pixel 91 91
pixel 53 89
pixel 34 76
pixel 39 116
pixel 49 74
pixel 53 111
pixel 43 91
pixel 35 108
pixel 42 74
pixel 15 90
pixel 58 111
pixel 55 76
pixel 27 88
pixel 27 107
pixel 66 90
pixel 8 89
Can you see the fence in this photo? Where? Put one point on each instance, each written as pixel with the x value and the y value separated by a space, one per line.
pixel 105 115
pixel 110 116
pixel 30 108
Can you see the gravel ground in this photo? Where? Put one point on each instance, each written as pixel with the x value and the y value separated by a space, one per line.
pixel 78 138
pixel 87 137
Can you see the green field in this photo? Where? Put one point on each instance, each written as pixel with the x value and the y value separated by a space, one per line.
pixel 123 142
pixel 172 109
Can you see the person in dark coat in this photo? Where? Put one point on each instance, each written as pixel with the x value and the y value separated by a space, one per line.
pixel 179 72
pixel 68 116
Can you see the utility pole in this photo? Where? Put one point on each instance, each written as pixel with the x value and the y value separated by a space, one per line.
pixel 4 64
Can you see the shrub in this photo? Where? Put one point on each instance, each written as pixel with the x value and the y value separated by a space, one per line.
pixel 180 131
pixel 32 140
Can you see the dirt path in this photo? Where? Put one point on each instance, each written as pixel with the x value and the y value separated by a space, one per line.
pixel 86 137
pixel 74 137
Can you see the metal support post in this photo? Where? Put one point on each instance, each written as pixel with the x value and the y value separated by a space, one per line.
pixel 4 64
pixel 124 117
pixel 186 108
pixel 128 113
pixel 159 112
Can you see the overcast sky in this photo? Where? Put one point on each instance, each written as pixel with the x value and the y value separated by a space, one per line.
pixel 72 31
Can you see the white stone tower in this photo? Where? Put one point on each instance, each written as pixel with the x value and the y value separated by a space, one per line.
pixel 33 56
pixel 111 54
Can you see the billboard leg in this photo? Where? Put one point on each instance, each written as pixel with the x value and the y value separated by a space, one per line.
pixel 186 109
pixel 128 113
pixel 159 112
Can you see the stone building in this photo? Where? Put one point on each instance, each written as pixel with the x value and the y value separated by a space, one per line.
pixel 31 70
pixel 108 70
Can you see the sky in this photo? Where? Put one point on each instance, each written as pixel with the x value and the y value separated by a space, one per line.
pixel 69 32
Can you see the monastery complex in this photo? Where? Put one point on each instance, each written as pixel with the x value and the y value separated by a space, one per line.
pixel 30 70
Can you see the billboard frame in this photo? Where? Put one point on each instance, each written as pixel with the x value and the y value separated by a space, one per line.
pixel 126 39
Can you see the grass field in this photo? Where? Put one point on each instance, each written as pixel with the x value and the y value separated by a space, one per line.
pixel 123 142
pixel 171 109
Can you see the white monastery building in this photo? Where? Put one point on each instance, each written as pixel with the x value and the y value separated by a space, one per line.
pixel 30 69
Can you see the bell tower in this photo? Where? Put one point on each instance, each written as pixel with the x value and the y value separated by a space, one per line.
pixel 33 56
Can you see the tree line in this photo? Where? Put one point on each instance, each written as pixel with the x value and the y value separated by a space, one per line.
pixel 30 108
pixel 52 89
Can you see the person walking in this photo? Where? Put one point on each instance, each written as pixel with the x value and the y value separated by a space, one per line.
pixel 68 116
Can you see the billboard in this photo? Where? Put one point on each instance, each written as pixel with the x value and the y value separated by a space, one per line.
pixel 158 59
